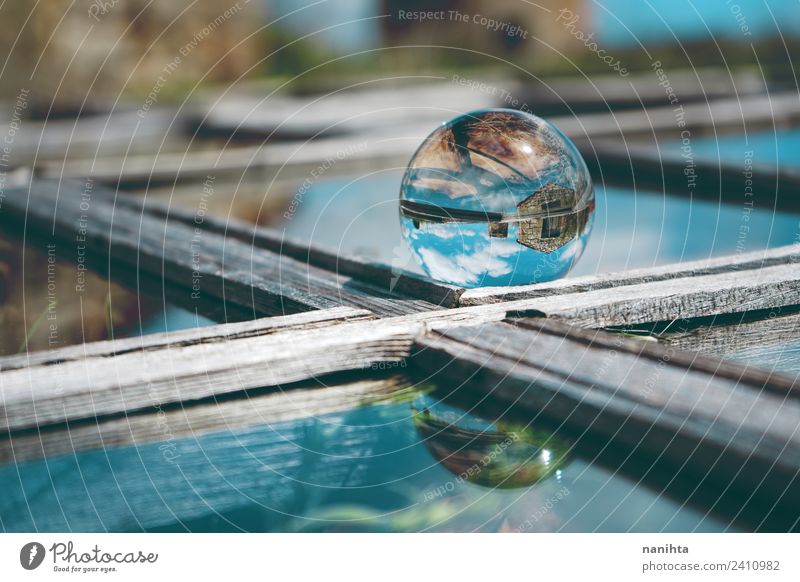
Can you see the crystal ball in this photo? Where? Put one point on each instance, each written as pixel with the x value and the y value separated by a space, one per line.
pixel 496 197
pixel 497 454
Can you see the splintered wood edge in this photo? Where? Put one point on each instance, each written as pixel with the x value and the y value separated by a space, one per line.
pixel 137 380
pixel 784 255
pixel 213 333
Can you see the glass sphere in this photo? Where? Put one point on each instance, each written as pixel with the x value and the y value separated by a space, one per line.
pixel 496 197
pixel 498 455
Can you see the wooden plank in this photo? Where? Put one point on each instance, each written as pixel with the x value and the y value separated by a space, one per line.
pixel 785 255
pixel 195 336
pixel 732 431
pixel 362 108
pixel 690 360
pixel 189 256
pixel 99 386
pixel 359 108
pixel 162 422
pixel 665 300
pixel 263 163
pixel 721 337
pixel 379 275
pixel 570 95
pixel 184 373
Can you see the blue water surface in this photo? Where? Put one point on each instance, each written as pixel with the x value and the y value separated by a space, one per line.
pixel 364 469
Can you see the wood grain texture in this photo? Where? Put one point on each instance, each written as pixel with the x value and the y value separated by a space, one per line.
pixel 384 277
pixel 786 255
pixel 181 373
pixel 691 297
pixel 184 373
pixel 730 431
pixel 189 256
pixel 688 359
pixel 203 335
pixel 733 114
pixel 343 112
pixel 766 341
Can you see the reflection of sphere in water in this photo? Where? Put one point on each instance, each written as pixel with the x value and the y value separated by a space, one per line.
pixel 496 455
pixel 496 197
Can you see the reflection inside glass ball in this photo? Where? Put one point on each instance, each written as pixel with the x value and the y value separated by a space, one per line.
pixel 490 454
pixel 496 197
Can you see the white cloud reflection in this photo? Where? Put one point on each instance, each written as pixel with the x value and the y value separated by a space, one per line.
pixel 469 268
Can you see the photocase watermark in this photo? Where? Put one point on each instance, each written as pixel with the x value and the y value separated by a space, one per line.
pixel 95 559
pixel 389 365
pixel 472 471
pixel 664 82
pixel 543 510
pixel 67 558
pixel 652 378
pixel 100 8
pixel 568 19
pixel 687 154
pixel 31 555
pixel 360 363
pixel 402 259
pixel 609 359
pixel 320 170
pixel 510 29
pixel 185 51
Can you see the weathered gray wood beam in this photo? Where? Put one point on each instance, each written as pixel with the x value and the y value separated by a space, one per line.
pixel 725 334
pixel 211 264
pixel 690 297
pixel 96 386
pixel 221 333
pixel 382 276
pixel 733 114
pixel 75 389
pixel 787 255
pixel 393 143
pixel 732 428
pixel 266 162
pixel 688 359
